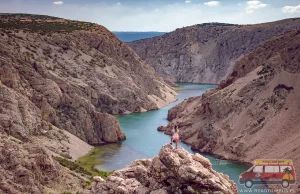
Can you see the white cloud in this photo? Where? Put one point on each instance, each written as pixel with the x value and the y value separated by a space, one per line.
pixel 58 2
pixel 133 17
pixel 188 1
pixel 212 3
pixel 118 3
pixel 249 11
pixel 291 9
pixel 254 4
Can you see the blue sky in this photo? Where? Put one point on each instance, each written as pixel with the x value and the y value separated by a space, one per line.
pixel 157 15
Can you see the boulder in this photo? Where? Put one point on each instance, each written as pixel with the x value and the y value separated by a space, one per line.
pixel 98 179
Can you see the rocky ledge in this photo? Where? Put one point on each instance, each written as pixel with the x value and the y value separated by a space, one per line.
pixel 171 171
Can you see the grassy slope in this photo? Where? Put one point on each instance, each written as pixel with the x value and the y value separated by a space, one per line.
pixel 89 161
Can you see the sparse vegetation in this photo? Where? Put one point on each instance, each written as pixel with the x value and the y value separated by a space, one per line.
pixel 50 127
pixel 217 24
pixel 72 166
pixel 41 23
pixel 66 155
pixel 86 164
pixel 88 183
pixel 89 161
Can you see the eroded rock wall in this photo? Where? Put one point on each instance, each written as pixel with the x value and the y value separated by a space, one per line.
pixel 206 53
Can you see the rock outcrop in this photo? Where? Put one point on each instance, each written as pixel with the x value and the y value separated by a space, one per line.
pixel 254 112
pixel 29 166
pixel 206 53
pixel 171 171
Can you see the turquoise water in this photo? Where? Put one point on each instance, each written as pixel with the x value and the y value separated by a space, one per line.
pixel 132 36
pixel 144 141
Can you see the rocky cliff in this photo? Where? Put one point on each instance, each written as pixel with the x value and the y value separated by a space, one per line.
pixel 255 112
pixel 28 167
pixel 206 53
pixel 73 73
pixel 171 171
pixel 56 76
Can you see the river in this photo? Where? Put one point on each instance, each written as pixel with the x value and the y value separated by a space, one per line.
pixel 144 141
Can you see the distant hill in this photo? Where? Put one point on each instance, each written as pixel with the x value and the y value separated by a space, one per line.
pixel 132 36
pixel 206 53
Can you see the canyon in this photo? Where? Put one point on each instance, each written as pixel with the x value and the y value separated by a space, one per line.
pixel 60 83
pixel 254 112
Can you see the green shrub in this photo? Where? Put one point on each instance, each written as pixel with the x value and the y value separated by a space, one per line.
pixel 66 155
pixel 83 167
pixel 89 161
pixel 72 166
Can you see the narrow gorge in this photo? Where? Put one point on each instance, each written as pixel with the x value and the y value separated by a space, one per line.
pixel 70 89
pixel 254 112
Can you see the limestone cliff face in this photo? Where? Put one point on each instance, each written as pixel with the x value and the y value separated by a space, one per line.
pixel 254 112
pixel 27 144
pixel 74 78
pixel 206 53
pixel 171 171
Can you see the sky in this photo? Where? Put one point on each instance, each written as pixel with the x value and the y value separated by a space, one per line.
pixel 157 15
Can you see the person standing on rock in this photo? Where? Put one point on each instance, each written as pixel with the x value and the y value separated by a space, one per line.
pixel 175 135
